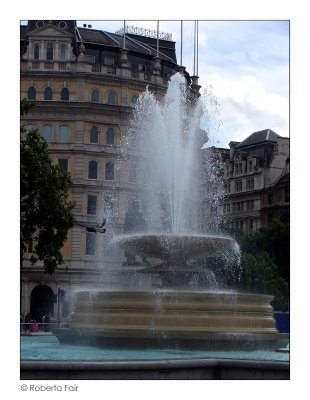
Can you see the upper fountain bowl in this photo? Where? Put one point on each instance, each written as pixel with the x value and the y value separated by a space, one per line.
pixel 176 249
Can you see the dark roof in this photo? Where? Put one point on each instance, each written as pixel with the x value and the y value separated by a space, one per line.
pixel 259 137
pixel 97 36
pixel 115 40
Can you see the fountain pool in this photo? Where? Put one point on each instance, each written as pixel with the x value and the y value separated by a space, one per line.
pixel 48 348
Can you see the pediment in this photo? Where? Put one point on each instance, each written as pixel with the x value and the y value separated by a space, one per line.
pixel 49 31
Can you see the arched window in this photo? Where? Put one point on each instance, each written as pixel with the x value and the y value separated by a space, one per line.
pixel 48 94
pixel 92 170
pixel 36 52
pixel 32 93
pixel 29 126
pixel 47 132
pixel 110 136
pixel 62 52
pixel 133 100
pixel 95 96
pixel 64 95
pixel 94 135
pixel 49 52
pixel 63 134
pixel 109 171
pixel 111 99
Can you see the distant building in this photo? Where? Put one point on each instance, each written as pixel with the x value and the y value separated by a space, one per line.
pixel 85 83
pixel 255 181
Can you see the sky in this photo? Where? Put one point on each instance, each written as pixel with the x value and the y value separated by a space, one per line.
pixel 245 63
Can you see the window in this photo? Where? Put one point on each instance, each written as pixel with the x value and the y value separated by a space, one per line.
pixel 111 98
pixel 90 243
pixel 36 52
pixel 94 135
pixel 133 100
pixel 108 61
pixel 63 164
pixel 29 126
pixel 141 68
pixel 250 184
pixel 48 94
pixel 238 186
pixel 62 24
pixel 32 93
pixel 62 52
pixel 92 170
pixel 47 132
pixel 108 206
pixel 132 175
pixel 270 199
pixel 110 136
pixel 227 187
pixel 251 224
pixel 250 205
pixel 63 134
pixel 49 52
pixel 95 96
pixel 92 204
pixel 64 95
pixel 250 165
pixel 109 171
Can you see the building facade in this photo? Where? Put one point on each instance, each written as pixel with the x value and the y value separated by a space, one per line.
pixel 85 83
pixel 254 176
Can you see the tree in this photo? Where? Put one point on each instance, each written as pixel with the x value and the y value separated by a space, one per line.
pixel 259 274
pixel 45 210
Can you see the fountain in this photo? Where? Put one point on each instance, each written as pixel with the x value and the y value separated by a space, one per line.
pixel 184 307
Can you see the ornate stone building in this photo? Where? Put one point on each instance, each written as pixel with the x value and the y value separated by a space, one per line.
pixel 255 179
pixel 85 83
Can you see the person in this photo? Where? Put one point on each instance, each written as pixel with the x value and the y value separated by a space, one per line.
pixel 34 327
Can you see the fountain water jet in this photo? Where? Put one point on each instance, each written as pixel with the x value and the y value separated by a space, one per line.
pixel 168 139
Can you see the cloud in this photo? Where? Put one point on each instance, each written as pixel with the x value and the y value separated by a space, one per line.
pixel 247 107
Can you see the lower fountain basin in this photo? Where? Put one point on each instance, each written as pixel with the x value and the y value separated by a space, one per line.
pixel 172 319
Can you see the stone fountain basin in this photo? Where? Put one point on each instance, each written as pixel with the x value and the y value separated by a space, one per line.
pixel 175 249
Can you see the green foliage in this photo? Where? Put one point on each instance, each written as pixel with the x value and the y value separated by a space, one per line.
pixel 25 106
pixel 46 212
pixel 260 275
pixel 265 261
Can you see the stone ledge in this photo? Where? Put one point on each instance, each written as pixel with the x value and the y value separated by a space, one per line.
pixel 198 368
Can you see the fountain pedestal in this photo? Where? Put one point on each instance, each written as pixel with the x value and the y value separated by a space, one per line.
pixel 177 319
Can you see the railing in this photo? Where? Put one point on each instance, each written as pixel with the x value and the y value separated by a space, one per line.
pixel 41 65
